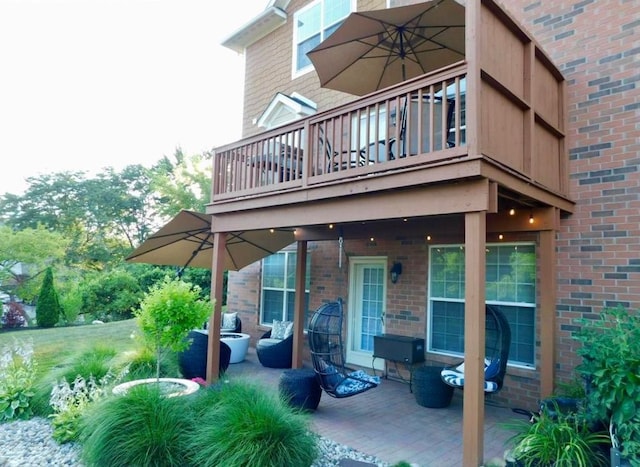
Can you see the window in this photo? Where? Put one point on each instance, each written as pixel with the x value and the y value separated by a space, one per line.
pixel 278 287
pixel 314 24
pixel 510 286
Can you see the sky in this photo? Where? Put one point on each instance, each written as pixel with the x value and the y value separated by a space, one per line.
pixel 89 84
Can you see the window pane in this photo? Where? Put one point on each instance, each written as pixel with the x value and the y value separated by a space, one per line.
pixel 305 47
pixel 447 326
pixel 273 271
pixel 308 23
pixel 272 305
pixel 335 10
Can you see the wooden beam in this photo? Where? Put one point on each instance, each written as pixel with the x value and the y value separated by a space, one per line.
pixel 217 272
pixel 474 339
pixel 464 196
pixel 547 286
pixel 298 318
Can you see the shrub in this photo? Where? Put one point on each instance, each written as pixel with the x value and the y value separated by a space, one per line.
pixel 14 316
pixel 140 427
pixel 17 375
pixel 611 367
pixel 242 424
pixel 48 309
pixel 111 295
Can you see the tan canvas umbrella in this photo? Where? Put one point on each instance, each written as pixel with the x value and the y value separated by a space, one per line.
pixel 186 240
pixel 374 49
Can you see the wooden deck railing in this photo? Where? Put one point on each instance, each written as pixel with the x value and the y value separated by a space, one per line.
pixel 418 122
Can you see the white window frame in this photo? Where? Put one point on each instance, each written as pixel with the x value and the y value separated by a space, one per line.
pixel 295 72
pixel 284 290
pixel 431 299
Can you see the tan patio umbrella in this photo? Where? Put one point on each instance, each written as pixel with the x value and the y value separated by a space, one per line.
pixel 187 240
pixel 374 49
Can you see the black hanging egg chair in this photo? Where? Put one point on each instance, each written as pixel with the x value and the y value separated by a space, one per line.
pixel 327 354
pixel 497 342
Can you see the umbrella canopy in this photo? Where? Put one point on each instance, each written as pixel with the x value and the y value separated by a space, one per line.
pixel 374 49
pixel 187 240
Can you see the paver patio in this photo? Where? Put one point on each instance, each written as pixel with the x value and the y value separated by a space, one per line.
pixel 388 423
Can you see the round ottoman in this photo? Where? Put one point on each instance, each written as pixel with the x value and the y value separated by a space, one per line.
pixel 300 388
pixel 429 389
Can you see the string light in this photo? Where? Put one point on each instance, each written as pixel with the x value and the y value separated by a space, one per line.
pixel 428 238
pixel 531 218
pixel 512 211
pixel 500 237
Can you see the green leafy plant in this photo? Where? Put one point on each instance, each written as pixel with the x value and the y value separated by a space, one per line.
pixel 69 401
pixel 168 312
pixel 564 440
pixel 111 295
pixel 141 427
pixel 17 375
pixel 240 423
pixel 48 309
pixel 611 368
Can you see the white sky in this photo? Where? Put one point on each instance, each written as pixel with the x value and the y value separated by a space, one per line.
pixel 88 84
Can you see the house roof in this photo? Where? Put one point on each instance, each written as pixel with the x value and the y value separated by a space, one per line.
pixel 273 16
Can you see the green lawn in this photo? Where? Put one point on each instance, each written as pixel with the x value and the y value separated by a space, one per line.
pixel 54 346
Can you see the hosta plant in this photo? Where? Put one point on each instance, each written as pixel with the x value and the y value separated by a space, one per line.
pixel 17 376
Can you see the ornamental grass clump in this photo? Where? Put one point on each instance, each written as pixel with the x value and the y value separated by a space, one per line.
pixel 17 377
pixel 141 427
pixel 246 425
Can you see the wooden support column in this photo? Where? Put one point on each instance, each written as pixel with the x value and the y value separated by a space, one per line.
pixel 474 338
pixel 547 314
pixel 217 273
pixel 298 317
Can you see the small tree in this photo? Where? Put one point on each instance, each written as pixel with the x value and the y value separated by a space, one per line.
pixel 168 312
pixel 48 309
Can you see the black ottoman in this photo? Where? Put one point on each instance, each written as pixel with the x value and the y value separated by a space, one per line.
pixel 300 388
pixel 429 389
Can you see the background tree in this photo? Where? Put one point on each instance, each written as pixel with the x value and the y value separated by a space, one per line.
pixel 48 309
pixel 23 254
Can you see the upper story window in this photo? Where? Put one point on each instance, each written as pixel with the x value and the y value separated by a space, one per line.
pixel 312 25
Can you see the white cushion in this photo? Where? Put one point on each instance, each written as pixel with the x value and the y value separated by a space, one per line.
pixel 266 342
pixel 281 329
pixel 228 321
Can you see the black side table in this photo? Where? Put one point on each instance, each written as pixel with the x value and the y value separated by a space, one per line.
pixel 429 389
pixel 300 388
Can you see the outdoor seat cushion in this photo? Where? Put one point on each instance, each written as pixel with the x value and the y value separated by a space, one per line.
pixel 267 342
pixel 228 322
pixel 455 376
pixel 357 381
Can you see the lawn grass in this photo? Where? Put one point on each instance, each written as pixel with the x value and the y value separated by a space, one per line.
pixel 54 346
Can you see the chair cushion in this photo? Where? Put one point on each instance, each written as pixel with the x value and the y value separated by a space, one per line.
pixel 351 385
pixel 228 321
pixel 267 342
pixel 455 377
pixel 281 329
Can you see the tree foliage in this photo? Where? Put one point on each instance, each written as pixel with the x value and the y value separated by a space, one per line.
pixel 48 309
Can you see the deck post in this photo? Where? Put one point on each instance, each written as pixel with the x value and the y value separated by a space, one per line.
pixel 474 337
pixel 298 318
pixel 217 273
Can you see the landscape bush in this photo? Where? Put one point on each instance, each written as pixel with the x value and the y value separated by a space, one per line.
pixel 48 308
pixel 111 295
pixel 13 316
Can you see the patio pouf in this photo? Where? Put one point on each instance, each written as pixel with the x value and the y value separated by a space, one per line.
pixel 300 388
pixel 429 389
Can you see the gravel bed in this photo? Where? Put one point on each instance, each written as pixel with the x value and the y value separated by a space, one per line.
pixel 29 443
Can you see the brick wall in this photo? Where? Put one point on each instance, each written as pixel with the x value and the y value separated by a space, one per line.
pixel 596 45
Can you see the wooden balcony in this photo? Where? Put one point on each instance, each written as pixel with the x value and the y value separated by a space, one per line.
pixel 500 120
